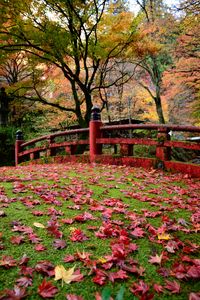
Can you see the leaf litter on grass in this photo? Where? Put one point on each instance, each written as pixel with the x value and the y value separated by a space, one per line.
pixel 118 225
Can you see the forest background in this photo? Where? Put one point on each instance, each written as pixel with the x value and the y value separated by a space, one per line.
pixel 59 59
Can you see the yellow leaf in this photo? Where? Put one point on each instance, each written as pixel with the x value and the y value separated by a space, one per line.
pixel 39 225
pixel 66 275
pixel 164 236
pixel 102 260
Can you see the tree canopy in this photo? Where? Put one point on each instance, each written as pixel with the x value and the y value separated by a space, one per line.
pixel 74 37
pixel 99 46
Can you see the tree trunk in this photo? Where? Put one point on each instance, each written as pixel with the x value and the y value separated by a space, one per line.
pixel 159 110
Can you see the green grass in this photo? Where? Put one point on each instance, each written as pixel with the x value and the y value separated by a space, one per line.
pixel 139 191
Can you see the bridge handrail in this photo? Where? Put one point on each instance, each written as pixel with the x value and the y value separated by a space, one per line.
pixel 54 135
pixel 151 127
pixel 98 136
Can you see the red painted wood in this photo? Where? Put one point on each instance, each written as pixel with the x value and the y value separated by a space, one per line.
pixel 94 133
pixel 151 127
pixel 192 170
pixel 128 141
pixel 18 144
pixel 96 140
pixel 64 144
pixel 32 150
pixel 54 135
pixel 185 145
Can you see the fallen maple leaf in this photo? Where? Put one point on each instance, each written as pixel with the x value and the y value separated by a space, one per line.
pixel 16 294
pixel 45 267
pixel 24 281
pixel 193 272
pixel 172 286
pixel 47 290
pixel 137 232
pixel 59 244
pixel 24 260
pixel 140 288
pixel 26 271
pixel 194 296
pixel 156 259
pixel 117 275
pixel 100 277
pixel 83 256
pixel 40 247
pixel 78 235
pixel 17 240
pixel 8 261
pixel 69 258
pixel 164 236
pixel 158 288
pixel 38 225
pixel 66 275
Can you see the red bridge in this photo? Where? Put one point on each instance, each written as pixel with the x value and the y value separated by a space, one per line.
pixel 96 139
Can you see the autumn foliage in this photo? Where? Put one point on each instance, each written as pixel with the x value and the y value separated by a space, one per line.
pixel 69 231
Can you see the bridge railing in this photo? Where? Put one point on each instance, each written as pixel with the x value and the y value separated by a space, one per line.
pixel 49 145
pixel 162 140
pixel 97 137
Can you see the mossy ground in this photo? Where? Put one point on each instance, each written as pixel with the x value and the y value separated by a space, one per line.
pixel 80 184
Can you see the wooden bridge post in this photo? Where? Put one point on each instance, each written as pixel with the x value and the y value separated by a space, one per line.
pixel 163 152
pixel 126 150
pixel 50 151
pixel 94 133
pixel 19 141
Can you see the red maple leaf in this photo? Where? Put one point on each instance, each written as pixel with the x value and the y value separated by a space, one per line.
pixel 24 270
pixel 117 275
pixel 17 239
pixel 40 247
pixel 158 288
pixel 156 259
pixel 54 212
pixel 16 294
pixel 137 232
pixel 78 236
pixel 24 281
pixel 59 244
pixel 193 272
pixel 179 271
pixel 83 256
pixel 7 261
pixel 52 228
pixel 79 276
pixel 172 286
pixel 132 247
pixel 140 288
pixel 84 217
pixel 45 267
pixel 194 296
pixel 69 258
pixel 67 221
pixel 38 213
pixel 119 251
pixel 33 238
pixel 24 260
pixel 22 228
pixel 47 290
pixel 100 277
